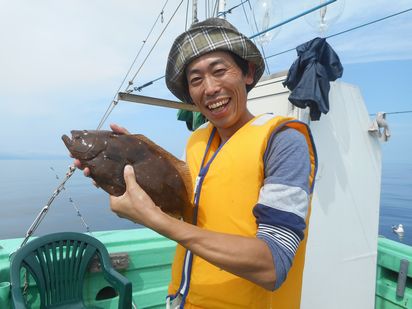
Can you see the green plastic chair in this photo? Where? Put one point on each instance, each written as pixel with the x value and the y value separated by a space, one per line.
pixel 58 263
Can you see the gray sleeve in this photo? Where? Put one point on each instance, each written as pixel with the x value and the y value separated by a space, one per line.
pixel 284 198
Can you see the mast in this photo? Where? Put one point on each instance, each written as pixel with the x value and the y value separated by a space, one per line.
pixel 194 12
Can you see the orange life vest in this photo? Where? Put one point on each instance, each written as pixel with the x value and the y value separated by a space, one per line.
pixel 229 192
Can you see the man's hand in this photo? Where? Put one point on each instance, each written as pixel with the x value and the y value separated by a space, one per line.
pixel 134 204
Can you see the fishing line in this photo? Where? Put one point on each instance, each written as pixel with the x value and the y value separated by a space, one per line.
pixel 45 209
pixel 72 168
pixel 71 201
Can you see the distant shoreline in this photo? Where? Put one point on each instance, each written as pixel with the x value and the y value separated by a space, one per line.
pixel 34 157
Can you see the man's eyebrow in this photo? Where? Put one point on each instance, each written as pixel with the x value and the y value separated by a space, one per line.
pixel 212 64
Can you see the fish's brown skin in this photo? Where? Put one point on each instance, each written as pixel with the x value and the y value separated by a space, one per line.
pixel 165 178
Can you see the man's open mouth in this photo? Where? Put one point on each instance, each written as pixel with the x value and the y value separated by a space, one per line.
pixel 219 105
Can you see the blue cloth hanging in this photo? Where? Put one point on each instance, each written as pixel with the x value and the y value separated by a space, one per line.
pixel 309 76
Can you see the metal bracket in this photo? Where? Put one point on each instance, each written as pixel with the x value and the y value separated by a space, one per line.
pixel 120 261
pixel 402 276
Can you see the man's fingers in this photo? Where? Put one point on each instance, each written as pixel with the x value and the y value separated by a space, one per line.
pixel 118 129
pixel 129 177
pixel 77 163
pixel 86 172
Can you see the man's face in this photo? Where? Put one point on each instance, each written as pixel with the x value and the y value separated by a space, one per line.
pixel 218 88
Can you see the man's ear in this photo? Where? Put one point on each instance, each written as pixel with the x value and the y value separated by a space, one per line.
pixel 250 76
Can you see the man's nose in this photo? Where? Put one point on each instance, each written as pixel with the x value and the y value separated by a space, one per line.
pixel 211 86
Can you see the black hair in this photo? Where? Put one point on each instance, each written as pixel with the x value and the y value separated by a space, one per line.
pixel 241 63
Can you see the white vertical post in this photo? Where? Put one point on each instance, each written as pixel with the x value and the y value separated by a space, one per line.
pixel 221 9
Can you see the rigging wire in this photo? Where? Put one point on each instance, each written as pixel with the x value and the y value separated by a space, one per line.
pixel 350 29
pixel 333 35
pixel 229 11
pixel 155 43
pixel 370 23
pixel 113 103
pixel 392 113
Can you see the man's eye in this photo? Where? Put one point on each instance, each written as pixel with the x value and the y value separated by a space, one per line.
pixel 195 80
pixel 220 71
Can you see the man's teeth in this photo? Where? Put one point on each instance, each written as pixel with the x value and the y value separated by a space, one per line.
pixel 218 104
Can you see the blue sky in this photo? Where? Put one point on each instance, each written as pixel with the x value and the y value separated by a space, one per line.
pixel 62 62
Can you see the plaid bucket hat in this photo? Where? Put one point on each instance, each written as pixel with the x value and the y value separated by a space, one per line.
pixel 213 34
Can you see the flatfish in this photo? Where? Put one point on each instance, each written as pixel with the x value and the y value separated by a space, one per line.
pixel 161 175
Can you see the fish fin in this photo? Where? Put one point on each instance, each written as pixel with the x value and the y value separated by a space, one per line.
pixel 181 166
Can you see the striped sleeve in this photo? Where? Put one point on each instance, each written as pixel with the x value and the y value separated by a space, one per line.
pixel 284 198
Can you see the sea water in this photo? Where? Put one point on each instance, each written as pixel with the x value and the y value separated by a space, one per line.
pixel 26 186
pixel 396 201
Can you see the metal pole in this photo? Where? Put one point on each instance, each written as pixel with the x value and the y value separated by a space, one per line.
pixel 194 12
pixel 124 96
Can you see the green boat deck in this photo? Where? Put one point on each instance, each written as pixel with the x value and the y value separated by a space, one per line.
pixel 149 257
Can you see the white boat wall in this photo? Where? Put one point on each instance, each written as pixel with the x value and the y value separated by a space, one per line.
pixel 343 229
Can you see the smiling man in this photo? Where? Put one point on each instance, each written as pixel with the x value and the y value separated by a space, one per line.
pixel 244 236
pixel 217 85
